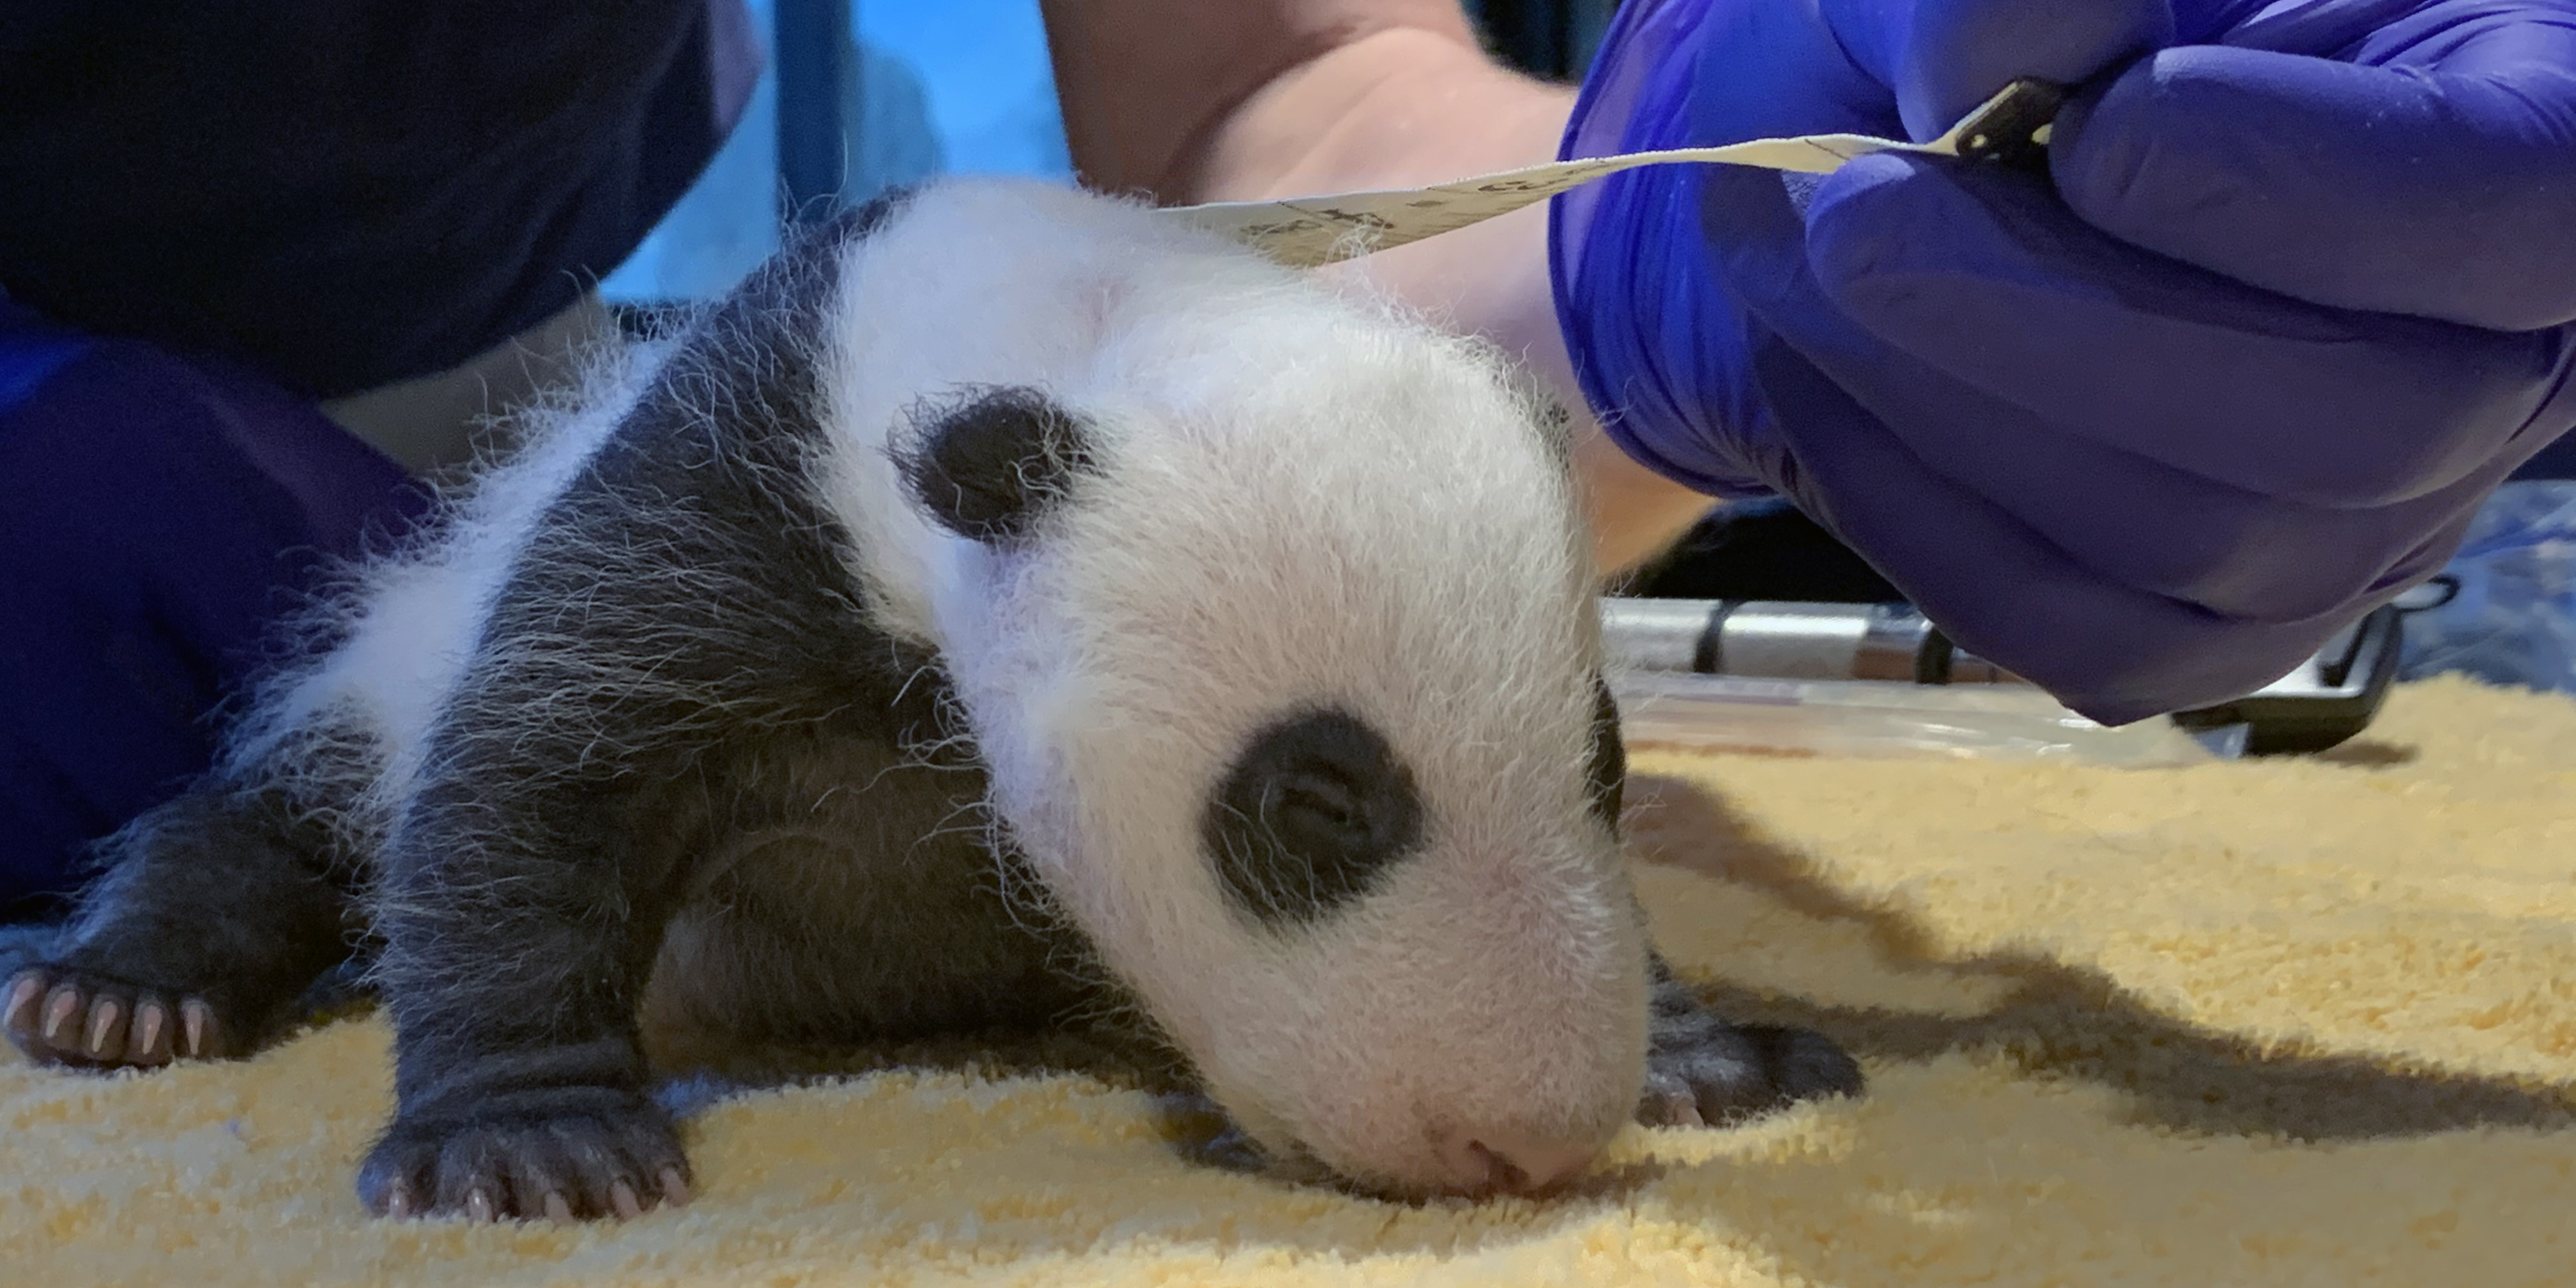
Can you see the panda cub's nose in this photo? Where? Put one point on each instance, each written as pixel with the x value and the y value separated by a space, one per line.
pixel 1510 1162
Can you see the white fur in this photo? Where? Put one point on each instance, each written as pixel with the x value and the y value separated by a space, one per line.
pixel 408 622
pixel 1303 497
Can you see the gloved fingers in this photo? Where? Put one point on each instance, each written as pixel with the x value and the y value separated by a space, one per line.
pixel 1944 57
pixel 2140 524
pixel 2004 591
pixel 1659 366
pixel 2445 190
pixel 1885 67
pixel 1986 278
pixel 2115 511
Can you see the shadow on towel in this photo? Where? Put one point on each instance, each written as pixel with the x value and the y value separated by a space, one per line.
pixel 2069 1021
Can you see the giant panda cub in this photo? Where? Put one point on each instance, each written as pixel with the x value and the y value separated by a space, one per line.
pixel 1008 604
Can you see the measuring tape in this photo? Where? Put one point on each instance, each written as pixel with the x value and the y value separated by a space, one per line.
pixel 1306 232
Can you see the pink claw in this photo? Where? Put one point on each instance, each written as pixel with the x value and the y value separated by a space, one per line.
pixel 102 1022
pixel 147 1029
pixel 66 1001
pixel 1681 1109
pixel 193 1019
pixel 22 1001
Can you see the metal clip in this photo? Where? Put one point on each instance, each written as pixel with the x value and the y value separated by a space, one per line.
pixel 2013 126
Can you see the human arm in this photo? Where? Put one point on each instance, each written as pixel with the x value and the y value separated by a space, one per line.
pixel 2148 433
pixel 1190 102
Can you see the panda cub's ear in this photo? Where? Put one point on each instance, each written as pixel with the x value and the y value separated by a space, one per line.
pixel 989 466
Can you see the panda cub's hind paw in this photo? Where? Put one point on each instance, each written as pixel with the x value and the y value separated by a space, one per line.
pixel 61 1016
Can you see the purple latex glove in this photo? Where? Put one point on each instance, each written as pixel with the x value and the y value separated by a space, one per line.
pixel 2299 290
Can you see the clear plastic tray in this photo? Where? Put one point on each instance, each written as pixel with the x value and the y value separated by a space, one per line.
pixel 1880 719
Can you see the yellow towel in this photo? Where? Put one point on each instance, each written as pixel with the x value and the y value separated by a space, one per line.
pixel 2308 1022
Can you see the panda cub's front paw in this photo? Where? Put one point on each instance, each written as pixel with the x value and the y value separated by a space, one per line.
pixel 598 1160
pixel 1701 1070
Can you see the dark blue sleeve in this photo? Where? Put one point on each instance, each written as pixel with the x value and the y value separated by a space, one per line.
pixel 155 515
pixel 345 194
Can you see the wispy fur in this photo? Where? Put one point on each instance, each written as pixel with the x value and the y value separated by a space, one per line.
pixel 688 729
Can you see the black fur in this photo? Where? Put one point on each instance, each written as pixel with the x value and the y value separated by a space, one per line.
pixel 991 467
pixel 282 895
pixel 1314 809
pixel 682 741
pixel 687 799
pixel 573 845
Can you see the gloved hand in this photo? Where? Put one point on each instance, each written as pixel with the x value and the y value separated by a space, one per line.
pixel 2298 292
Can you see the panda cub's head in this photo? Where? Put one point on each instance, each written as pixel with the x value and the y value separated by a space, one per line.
pixel 1270 610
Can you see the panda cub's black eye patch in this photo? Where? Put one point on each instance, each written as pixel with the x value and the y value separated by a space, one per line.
pixel 1313 809
pixel 990 466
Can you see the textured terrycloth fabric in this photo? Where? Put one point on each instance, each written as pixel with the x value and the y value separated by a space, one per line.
pixel 2306 1022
